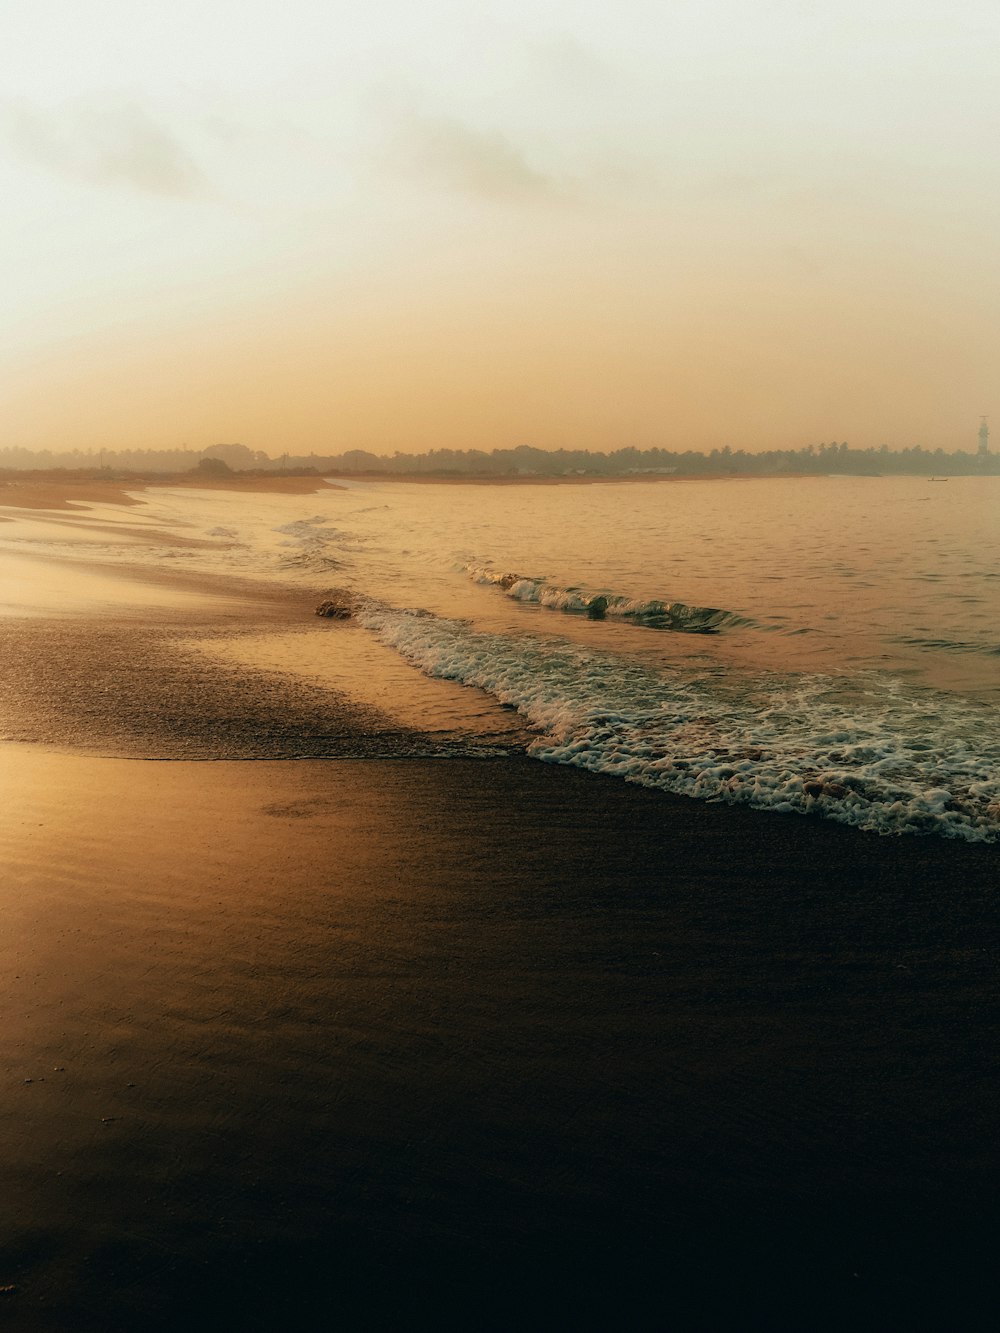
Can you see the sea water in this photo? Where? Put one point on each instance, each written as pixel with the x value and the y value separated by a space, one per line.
pixel 827 645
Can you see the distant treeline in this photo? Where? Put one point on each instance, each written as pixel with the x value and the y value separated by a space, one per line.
pixel 524 460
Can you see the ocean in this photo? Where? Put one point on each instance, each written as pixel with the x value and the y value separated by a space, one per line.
pixel 825 645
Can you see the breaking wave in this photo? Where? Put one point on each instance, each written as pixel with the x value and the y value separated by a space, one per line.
pixel 654 614
pixel 864 751
pixel 308 541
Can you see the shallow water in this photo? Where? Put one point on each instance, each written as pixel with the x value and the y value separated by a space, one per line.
pixel 823 644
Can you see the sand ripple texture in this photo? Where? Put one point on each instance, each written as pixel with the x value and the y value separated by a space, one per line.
pixel 135 690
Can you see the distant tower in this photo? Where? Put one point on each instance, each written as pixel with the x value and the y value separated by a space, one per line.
pixel 984 438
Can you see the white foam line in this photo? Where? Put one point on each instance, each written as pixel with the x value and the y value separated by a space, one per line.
pixel 886 762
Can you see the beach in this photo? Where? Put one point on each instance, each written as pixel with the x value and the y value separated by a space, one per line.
pixel 309 1022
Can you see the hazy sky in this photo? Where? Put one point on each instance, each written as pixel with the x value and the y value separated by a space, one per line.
pixel 324 225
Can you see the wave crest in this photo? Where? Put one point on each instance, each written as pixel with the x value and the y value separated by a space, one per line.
pixel 653 613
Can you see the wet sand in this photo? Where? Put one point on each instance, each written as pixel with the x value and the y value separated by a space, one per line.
pixel 380 1040
pixel 483 1044
pixel 54 492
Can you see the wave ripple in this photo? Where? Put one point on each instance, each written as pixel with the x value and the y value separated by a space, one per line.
pixel 654 614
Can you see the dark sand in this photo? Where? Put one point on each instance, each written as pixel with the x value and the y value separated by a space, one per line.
pixel 483 1044
pixel 391 1042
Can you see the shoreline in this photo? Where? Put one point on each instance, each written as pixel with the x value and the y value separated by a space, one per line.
pixel 52 490
pixel 382 1038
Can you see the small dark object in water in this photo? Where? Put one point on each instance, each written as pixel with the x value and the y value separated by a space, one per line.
pixel 596 607
pixel 340 607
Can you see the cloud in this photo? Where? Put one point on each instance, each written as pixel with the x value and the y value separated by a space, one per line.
pixel 449 152
pixel 117 145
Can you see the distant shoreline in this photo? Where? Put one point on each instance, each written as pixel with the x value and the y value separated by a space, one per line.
pixel 59 488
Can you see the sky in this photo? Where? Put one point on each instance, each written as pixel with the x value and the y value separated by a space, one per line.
pixel 317 225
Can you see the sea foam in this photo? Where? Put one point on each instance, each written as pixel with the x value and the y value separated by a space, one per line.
pixel 864 752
